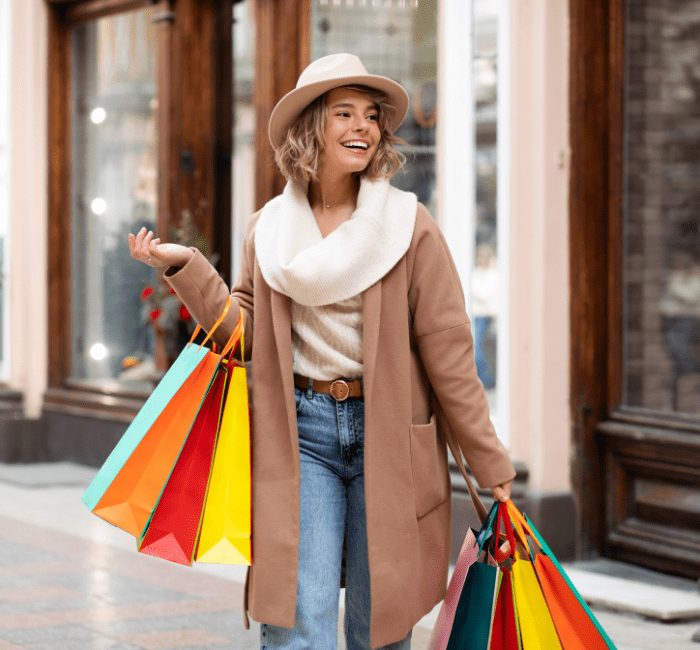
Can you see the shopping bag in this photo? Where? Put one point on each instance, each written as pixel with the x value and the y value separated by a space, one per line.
pixel 226 522
pixel 128 501
pixel 473 619
pixel 169 385
pixel 546 600
pixel 174 526
pixel 446 616
pixel 505 634
pixel 537 629
pixel 575 622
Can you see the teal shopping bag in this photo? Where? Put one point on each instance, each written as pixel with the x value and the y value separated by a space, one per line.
pixel 471 629
pixel 185 364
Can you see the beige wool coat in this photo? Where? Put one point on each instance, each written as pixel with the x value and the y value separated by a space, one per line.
pixel 420 385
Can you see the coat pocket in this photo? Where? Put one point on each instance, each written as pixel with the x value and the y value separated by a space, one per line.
pixel 429 465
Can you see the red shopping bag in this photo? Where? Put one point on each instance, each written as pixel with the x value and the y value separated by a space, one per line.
pixel 173 529
pixel 505 635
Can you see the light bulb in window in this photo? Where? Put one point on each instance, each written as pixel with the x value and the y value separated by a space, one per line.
pixel 98 351
pixel 98 115
pixel 98 205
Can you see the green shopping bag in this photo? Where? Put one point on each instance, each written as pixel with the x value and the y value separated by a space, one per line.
pixel 473 620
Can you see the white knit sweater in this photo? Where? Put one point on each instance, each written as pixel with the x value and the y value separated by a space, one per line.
pixel 326 277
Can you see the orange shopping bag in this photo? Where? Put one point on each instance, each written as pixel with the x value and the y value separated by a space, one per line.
pixel 132 496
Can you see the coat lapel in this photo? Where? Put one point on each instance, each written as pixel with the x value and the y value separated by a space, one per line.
pixel 282 325
pixel 371 310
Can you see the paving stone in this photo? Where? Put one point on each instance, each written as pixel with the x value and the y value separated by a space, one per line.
pixel 12 553
pixel 623 595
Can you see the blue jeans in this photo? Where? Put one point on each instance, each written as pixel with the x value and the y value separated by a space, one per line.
pixel 332 508
pixel 483 367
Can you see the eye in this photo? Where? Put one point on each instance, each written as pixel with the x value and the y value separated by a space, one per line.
pixel 374 117
pixel 343 114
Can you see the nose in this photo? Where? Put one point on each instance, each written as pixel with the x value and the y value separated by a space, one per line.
pixel 361 123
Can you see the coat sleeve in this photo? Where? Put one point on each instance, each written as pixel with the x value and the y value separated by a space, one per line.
pixel 442 332
pixel 204 293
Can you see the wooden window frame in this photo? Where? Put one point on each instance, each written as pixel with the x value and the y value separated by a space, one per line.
pixel 614 444
pixel 195 115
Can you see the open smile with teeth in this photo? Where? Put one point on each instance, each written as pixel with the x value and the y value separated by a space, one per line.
pixel 358 146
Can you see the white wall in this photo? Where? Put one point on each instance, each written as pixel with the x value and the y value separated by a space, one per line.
pixel 28 203
pixel 539 344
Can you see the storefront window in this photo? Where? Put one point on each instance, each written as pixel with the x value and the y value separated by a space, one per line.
pixel 484 285
pixel 243 169
pixel 114 193
pixel 396 39
pixel 661 204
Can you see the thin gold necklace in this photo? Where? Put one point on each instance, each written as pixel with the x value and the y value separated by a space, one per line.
pixel 329 205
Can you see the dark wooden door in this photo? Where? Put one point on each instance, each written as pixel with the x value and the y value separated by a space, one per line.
pixel 635 280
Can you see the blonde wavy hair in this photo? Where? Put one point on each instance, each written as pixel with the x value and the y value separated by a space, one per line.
pixel 298 158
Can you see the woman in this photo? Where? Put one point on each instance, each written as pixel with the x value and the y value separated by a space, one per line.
pixel 362 369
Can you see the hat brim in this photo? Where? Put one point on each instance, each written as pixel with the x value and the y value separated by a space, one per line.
pixel 294 102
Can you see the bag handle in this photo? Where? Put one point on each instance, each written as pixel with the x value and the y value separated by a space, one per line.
pixel 213 327
pixel 236 335
pixel 456 452
pixel 521 526
pixel 503 516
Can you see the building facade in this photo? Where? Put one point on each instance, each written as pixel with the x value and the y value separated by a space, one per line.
pixel 559 160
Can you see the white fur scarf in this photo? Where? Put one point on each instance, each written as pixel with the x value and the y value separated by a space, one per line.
pixel 297 261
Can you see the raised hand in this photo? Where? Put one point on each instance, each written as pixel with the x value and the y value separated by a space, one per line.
pixel 150 251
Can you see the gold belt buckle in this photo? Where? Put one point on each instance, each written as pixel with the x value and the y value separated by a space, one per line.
pixel 340 390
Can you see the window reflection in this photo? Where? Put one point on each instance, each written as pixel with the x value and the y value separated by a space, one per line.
pixel 114 193
pixel 243 182
pixel 397 40
pixel 484 278
pixel 662 206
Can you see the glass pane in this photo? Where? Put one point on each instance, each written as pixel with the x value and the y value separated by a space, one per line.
pixel 662 206
pixel 484 277
pixel 396 39
pixel 243 181
pixel 114 193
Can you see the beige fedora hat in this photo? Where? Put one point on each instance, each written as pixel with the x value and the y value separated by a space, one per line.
pixel 323 75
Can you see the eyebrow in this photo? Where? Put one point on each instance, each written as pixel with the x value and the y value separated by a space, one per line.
pixel 349 105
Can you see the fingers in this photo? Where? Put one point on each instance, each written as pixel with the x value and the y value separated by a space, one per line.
pixel 143 247
pixel 502 492
pixel 499 494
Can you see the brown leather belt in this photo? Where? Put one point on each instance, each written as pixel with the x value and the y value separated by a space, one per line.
pixel 341 389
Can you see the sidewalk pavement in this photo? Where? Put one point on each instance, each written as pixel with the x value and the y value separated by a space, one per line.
pixel 69 580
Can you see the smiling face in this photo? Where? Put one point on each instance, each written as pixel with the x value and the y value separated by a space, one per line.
pixel 352 131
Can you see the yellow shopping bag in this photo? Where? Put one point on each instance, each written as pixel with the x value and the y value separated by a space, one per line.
pixel 537 630
pixel 226 523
